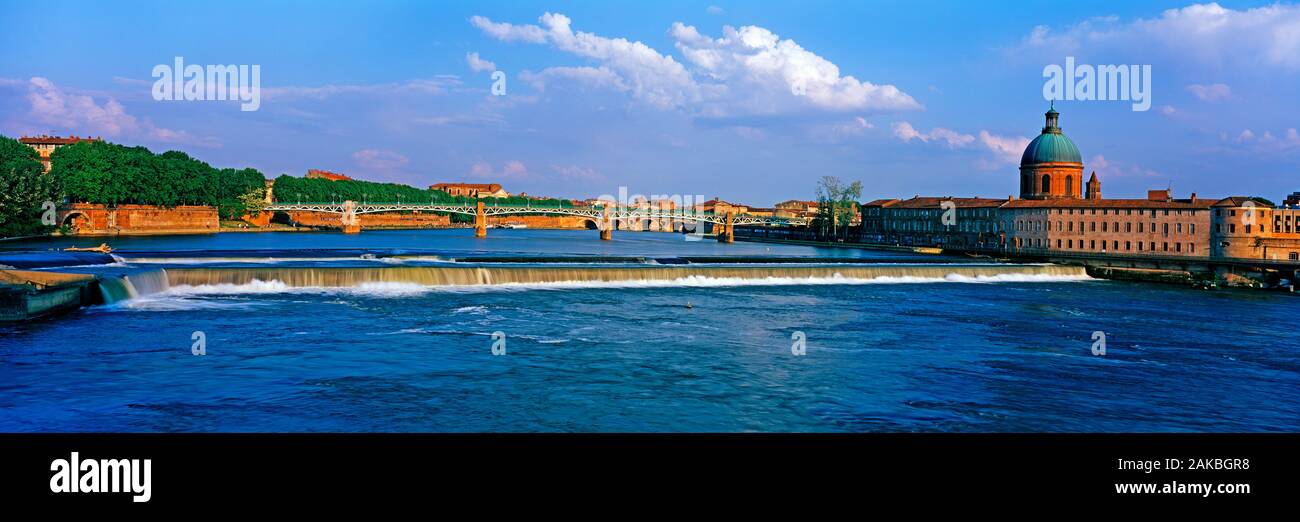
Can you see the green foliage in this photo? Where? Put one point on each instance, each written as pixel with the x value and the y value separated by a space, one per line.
pixel 836 202
pixel 110 174
pixel 24 189
pixel 289 189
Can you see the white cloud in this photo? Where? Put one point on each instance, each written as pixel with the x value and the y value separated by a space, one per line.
pixel 509 32
pixel 649 76
pixel 82 114
pixel 753 62
pixel 1007 149
pixel 1210 93
pixel 715 10
pixel 477 64
pixel 379 160
pixel 1269 142
pixel 745 72
pixel 1003 149
pixel 603 77
pixel 904 131
pixel 1200 32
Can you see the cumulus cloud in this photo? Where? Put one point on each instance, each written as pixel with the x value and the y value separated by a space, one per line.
pixel 377 160
pixel 649 76
pixel 1267 142
pixel 1007 149
pixel 477 64
pixel 1199 32
pixel 1210 93
pixel 753 61
pixel 1003 149
pixel 83 114
pixel 749 70
pixel 904 131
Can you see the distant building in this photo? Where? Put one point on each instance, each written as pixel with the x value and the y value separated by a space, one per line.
pixel 473 190
pixel 325 174
pixel 796 209
pixel 718 206
pixel 45 145
pixel 959 223
pixel 1292 200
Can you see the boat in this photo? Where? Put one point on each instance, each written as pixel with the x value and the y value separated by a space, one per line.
pixel 512 225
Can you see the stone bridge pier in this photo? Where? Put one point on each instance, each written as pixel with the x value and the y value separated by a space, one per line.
pixel 351 222
pixel 606 226
pixel 480 220
pixel 727 230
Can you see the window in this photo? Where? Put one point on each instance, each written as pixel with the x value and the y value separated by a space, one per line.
pixel 1294 256
pixel 1047 183
pixel 1128 245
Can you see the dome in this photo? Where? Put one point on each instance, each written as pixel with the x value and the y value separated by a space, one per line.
pixel 1051 146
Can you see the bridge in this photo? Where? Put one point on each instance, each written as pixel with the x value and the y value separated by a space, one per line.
pixel 603 216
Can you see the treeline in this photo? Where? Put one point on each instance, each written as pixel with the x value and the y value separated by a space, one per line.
pixel 111 174
pixel 289 189
pixel 24 190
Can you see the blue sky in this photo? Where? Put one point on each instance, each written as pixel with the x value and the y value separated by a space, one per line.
pixel 678 97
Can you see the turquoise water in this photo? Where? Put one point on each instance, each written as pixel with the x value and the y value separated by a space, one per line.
pixel 915 353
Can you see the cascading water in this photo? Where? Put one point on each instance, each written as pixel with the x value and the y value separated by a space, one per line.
pixel 117 288
pixel 468 276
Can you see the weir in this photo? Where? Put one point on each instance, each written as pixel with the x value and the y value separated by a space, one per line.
pixel 464 276
pixel 129 286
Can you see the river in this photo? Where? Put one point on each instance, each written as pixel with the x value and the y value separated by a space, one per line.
pixel 396 331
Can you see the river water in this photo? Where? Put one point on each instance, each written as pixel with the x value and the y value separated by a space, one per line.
pixel 396 330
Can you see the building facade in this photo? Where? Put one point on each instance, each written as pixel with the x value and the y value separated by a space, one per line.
pixel 473 190
pixel 1058 213
pixel 325 174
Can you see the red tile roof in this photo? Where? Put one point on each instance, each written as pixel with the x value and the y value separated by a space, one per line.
pixel 54 140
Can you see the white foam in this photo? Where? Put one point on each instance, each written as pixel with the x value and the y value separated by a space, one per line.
pixel 394 289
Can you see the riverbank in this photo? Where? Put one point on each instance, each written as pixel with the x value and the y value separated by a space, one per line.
pixel 859 246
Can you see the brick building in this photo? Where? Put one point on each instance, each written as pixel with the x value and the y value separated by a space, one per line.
pixel 325 174
pixel 474 190
pixel 1058 213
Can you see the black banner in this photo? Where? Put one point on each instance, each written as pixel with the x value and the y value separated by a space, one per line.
pixel 145 471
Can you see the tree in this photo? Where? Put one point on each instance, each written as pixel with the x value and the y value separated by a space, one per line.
pixel 110 174
pixel 25 191
pixel 836 203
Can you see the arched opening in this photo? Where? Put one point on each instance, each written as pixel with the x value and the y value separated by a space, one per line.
pixel 1069 186
pixel 76 221
pixel 1047 184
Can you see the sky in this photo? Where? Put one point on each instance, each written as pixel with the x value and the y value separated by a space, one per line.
pixel 749 101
